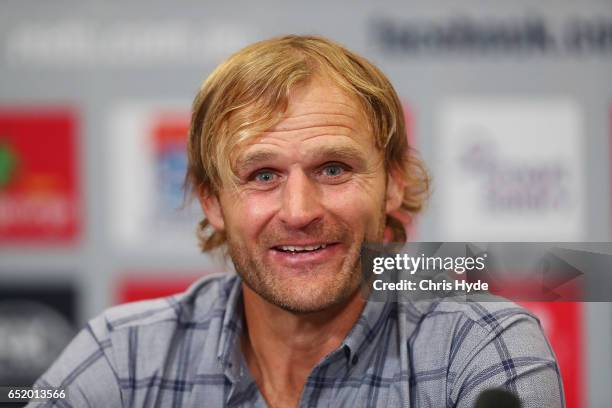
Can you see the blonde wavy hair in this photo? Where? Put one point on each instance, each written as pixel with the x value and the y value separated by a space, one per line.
pixel 249 92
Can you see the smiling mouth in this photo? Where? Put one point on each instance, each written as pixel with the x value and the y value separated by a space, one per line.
pixel 300 249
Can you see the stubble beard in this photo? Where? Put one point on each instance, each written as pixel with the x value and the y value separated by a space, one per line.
pixel 313 290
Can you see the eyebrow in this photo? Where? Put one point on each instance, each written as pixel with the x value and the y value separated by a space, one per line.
pixel 253 158
pixel 332 152
pixel 337 152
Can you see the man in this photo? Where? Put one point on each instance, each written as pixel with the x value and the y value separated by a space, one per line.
pixel 298 155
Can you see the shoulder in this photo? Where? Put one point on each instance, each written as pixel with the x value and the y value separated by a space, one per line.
pixel 484 344
pixel 203 300
pixel 460 330
pixel 141 334
pixel 489 315
pixel 462 333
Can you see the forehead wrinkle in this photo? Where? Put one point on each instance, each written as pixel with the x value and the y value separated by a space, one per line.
pixel 325 103
pixel 257 151
pixel 314 130
pixel 314 119
pixel 340 151
pixel 315 135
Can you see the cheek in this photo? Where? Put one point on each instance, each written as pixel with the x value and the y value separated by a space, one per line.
pixel 250 213
pixel 357 204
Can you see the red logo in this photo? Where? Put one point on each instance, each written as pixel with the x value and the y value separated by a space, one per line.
pixel 39 200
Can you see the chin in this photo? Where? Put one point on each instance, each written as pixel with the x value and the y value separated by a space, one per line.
pixel 307 307
pixel 305 298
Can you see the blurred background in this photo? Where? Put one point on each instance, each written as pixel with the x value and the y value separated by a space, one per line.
pixel 509 103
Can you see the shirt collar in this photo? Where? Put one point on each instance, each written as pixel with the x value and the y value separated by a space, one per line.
pixel 374 314
pixel 372 318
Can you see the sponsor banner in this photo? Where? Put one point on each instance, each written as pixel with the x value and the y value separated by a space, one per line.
pixel 148 151
pixel 484 36
pixel 36 323
pixel 97 41
pixel 510 169
pixel 39 192
pixel 135 287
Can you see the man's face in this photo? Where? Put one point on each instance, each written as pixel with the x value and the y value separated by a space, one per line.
pixel 311 190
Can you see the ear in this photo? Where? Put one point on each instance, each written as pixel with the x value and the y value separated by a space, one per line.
pixel 212 209
pixel 395 190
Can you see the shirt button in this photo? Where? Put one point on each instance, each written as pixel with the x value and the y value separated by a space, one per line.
pixel 355 359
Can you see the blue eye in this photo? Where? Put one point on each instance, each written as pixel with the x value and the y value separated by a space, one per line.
pixel 333 170
pixel 265 176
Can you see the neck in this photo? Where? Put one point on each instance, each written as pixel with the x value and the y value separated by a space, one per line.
pixel 281 348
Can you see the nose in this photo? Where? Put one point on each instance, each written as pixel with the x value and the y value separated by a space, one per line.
pixel 301 205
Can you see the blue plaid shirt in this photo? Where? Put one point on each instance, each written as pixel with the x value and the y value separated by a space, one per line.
pixel 184 351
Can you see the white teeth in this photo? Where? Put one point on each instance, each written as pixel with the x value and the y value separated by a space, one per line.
pixel 293 248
